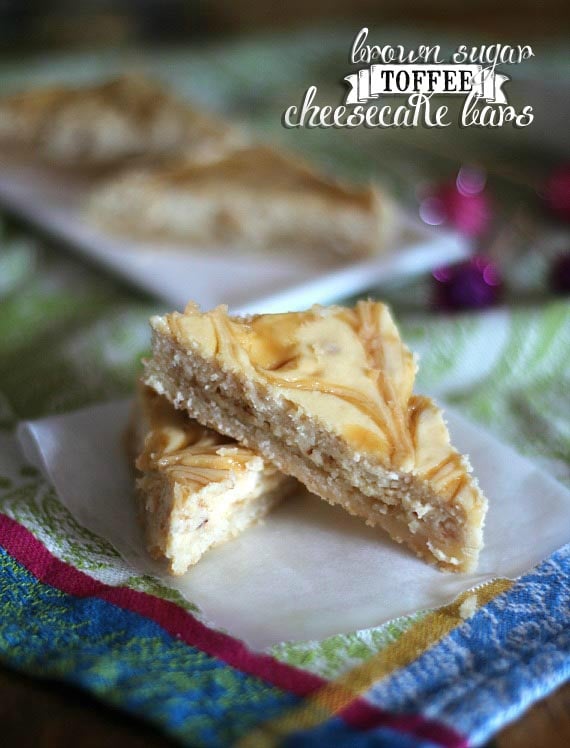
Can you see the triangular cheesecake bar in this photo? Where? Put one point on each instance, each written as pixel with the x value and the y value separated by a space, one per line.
pixel 106 123
pixel 326 395
pixel 195 487
pixel 253 198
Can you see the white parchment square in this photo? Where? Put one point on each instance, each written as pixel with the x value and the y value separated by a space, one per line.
pixel 310 570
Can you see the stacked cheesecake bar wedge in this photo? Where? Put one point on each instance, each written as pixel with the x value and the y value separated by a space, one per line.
pixel 195 488
pixel 326 396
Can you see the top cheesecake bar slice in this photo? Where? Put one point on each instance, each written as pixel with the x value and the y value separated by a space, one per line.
pixel 327 396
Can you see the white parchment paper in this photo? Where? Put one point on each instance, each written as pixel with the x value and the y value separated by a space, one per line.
pixel 310 570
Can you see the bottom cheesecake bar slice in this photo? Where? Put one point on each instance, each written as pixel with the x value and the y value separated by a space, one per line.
pixel 327 396
pixel 195 488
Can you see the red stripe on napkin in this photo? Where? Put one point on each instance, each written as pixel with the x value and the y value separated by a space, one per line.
pixel 34 556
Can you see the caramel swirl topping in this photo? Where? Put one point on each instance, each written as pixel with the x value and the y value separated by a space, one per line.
pixel 279 353
pixel 181 447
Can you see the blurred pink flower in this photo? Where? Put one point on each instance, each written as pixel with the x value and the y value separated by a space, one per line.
pixel 462 204
pixel 473 284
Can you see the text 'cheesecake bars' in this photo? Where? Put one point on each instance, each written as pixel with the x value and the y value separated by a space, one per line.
pixel 327 396
pixel 195 487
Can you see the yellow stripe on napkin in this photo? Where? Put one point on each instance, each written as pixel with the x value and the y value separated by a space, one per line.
pixel 338 694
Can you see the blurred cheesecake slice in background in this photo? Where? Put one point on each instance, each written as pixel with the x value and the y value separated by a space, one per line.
pixel 105 124
pixel 255 198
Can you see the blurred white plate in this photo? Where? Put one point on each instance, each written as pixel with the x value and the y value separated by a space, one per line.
pixel 266 283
